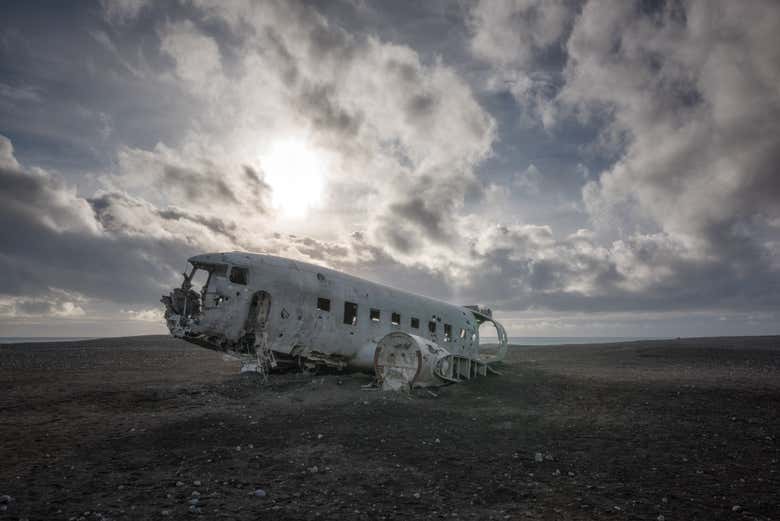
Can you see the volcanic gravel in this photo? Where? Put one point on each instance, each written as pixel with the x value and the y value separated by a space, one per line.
pixel 154 428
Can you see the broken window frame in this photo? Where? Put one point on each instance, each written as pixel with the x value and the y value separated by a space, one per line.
pixel 243 280
pixel 375 315
pixel 323 304
pixel 414 323
pixel 350 313
pixel 448 332
pixel 395 318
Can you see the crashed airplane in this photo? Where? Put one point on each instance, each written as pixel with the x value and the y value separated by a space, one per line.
pixel 280 313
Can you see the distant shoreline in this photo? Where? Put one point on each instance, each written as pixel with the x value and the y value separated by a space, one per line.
pixel 36 339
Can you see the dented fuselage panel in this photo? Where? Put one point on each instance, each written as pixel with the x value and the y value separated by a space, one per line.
pixel 286 313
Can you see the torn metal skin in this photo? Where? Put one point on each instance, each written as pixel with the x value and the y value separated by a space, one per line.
pixel 276 313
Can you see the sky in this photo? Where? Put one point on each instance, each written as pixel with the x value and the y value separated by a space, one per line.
pixel 582 168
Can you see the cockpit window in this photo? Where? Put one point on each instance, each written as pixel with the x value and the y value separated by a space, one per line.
pixel 238 275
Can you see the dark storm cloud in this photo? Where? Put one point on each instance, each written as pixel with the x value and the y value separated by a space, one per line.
pixel 319 103
pixel 51 240
pixel 416 212
pixel 111 211
pixel 198 186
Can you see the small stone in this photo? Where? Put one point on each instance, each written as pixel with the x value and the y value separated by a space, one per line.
pixel 260 492
pixel 195 493
pixel 417 495
pixel 165 512
pixel 196 482
pixel 179 483
pixel 314 469
pixel 437 440
pixel 319 436
pixel 660 518
pixel 736 508
pixel 538 457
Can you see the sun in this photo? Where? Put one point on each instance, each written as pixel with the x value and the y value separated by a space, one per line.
pixel 296 175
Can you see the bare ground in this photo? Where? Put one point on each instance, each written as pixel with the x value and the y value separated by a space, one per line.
pixel 153 428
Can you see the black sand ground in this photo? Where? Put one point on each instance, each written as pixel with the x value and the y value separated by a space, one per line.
pixel 153 428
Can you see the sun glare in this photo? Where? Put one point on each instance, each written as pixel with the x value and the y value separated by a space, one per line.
pixel 296 175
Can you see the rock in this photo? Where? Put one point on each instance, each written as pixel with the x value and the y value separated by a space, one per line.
pixel 313 469
pixel 179 483
pixel 538 457
pixel 417 495
pixel 6 499
pixel 260 492
pixel 195 493
pixel 437 440
pixel 660 518
pixel 319 436
pixel 165 512
pixel 736 508
pixel 196 483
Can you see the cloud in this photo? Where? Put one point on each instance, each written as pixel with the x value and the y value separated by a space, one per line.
pixel 427 174
pixel 699 123
pixel 520 40
pixel 56 303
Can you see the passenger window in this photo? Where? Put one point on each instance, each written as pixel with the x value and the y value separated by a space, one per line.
pixel 395 319
pixel 238 275
pixel 447 333
pixel 374 315
pixel 323 304
pixel 432 326
pixel 350 313
pixel 415 323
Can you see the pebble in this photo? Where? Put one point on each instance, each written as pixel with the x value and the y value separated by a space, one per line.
pixel 314 469
pixel 179 483
pixel 196 483
pixel 165 512
pixel 538 457
pixel 195 493
pixel 736 508
pixel 417 495
pixel 260 492
pixel 660 518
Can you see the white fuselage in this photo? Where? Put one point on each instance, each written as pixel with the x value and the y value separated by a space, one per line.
pixel 316 312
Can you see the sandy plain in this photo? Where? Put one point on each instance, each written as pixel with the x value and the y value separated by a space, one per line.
pixel 155 428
